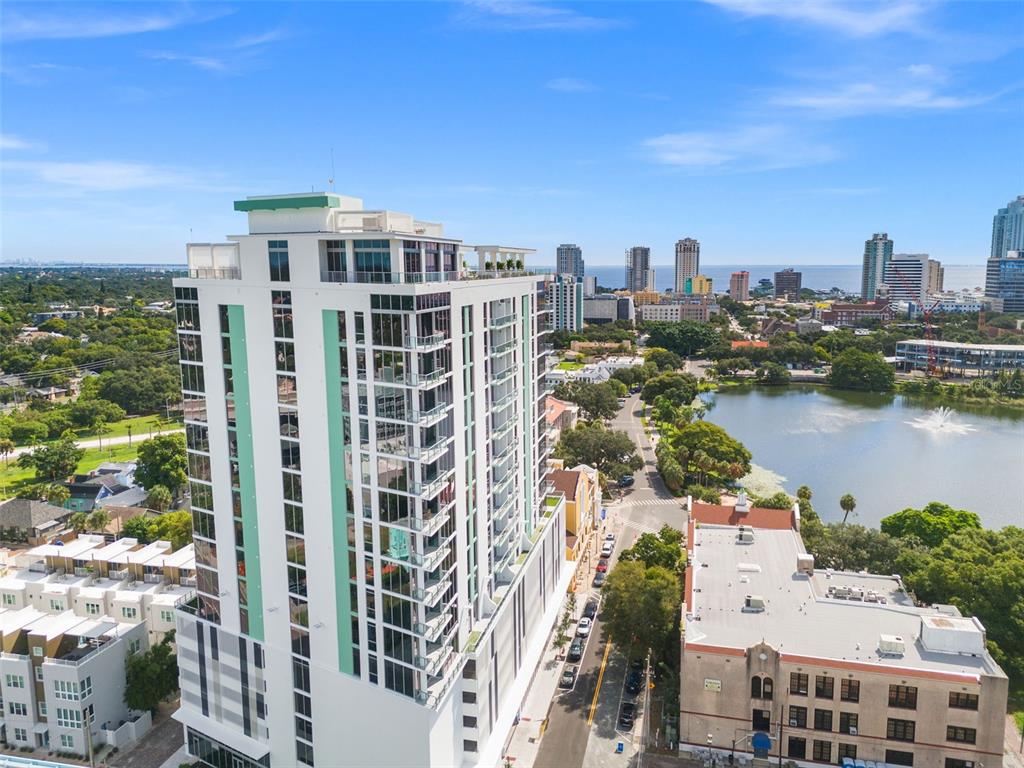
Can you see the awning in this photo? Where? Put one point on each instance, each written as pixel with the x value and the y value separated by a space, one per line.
pixel 100 629
pixel 40 728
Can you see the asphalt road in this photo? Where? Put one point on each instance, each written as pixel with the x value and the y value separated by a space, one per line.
pixel 644 507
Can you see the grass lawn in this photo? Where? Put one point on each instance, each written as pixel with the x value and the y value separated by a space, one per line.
pixel 566 365
pixel 14 477
pixel 141 426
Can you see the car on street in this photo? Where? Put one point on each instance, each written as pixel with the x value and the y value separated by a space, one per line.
pixel 602 565
pixel 590 609
pixel 635 681
pixel 568 678
pixel 606 549
pixel 575 650
pixel 626 481
pixel 626 715
pixel 583 628
pixel 609 538
pixel 599 579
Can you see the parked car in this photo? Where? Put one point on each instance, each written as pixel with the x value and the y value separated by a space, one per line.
pixel 602 566
pixel 590 609
pixel 635 681
pixel 626 481
pixel 626 715
pixel 575 650
pixel 622 401
pixel 610 538
pixel 568 678
pixel 606 549
pixel 583 628
pixel 599 579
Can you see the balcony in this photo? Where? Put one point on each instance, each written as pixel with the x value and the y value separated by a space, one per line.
pixel 503 375
pixel 187 581
pixel 430 488
pixel 419 418
pixel 213 261
pixel 501 349
pixel 432 628
pixel 420 380
pixel 431 558
pixel 501 322
pixel 500 403
pixel 425 343
pixel 431 593
pixel 434 660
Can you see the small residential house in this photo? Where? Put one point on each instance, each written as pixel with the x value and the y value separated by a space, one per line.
pixel 30 520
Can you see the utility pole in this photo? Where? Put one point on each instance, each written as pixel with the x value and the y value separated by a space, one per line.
pixel 647 710
pixel 88 737
pixel 129 435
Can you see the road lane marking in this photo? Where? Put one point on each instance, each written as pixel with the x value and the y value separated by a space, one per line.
pixel 600 677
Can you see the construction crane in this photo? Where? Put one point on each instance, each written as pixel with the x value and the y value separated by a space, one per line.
pixel 929 337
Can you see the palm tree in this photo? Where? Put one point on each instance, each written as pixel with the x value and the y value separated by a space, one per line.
pixel 6 449
pixel 848 504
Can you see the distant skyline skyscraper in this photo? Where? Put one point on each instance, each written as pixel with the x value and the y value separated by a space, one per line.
pixel 739 286
pixel 687 261
pixel 906 277
pixel 877 253
pixel 1008 229
pixel 788 283
pixel 569 260
pixel 1004 280
pixel 936 276
pixel 639 275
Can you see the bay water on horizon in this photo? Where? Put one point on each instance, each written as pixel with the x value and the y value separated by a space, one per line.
pixel 821 277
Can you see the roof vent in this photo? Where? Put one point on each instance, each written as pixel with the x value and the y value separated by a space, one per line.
pixel 891 645
pixel 805 563
pixel 753 604
pixel 742 505
pixel 745 536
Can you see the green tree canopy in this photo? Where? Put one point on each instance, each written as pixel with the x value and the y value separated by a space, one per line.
pixel 163 461
pixel 54 461
pixel 596 401
pixel 855 548
pixel 641 608
pixel 773 374
pixel 151 676
pixel 85 412
pixel 159 498
pixel 780 500
pixel 678 388
pixel 706 448
pixel 685 338
pixel 139 527
pixel 609 451
pixel 666 360
pixel 931 525
pixel 664 549
pixel 855 369
pixel 175 527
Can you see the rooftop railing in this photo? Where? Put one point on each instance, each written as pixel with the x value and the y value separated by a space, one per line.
pixel 215 273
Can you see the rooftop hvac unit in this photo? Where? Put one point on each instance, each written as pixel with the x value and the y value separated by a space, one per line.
pixel 745 537
pixel 753 603
pixel 891 645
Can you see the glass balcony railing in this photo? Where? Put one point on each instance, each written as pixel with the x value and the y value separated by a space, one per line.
pixel 501 322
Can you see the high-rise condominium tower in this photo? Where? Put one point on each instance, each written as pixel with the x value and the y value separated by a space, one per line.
pixel 877 253
pixel 566 302
pixel 379 558
pixel 569 260
pixel 906 277
pixel 1004 281
pixel 936 276
pixel 639 275
pixel 788 283
pixel 1008 229
pixel 687 262
pixel 739 286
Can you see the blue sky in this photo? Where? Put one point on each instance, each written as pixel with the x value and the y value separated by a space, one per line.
pixel 773 132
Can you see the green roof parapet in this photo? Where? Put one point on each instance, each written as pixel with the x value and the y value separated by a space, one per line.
pixel 277 203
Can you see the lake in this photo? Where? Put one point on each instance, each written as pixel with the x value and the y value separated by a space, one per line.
pixel 867 444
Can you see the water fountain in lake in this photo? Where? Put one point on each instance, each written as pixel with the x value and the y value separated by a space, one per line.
pixel 941 421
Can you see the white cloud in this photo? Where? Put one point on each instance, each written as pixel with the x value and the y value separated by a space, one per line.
pixel 856 19
pixel 868 98
pixel 746 149
pixel 570 85
pixel 210 63
pixel 99 176
pixel 251 41
pixel 67 24
pixel 10 142
pixel 514 15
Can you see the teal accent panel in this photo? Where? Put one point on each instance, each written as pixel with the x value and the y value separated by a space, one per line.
pixel 280 203
pixel 246 469
pixel 339 499
pixel 527 328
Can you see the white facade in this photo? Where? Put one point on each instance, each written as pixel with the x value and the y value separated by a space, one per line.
pixel 907 277
pixel 687 262
pixel 566 303
pixel 400 561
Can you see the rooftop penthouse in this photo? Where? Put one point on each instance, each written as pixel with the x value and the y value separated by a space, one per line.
pixel 347 244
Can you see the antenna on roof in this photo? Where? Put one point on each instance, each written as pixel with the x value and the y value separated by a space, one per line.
pixel 331 179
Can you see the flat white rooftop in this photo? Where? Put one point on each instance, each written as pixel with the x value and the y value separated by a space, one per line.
pixel 799 616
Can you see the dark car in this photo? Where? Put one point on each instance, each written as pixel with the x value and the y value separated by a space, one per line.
pixel 590 609
pixel 599 579
pixel 626 481
pixel 626 715
pixel 568 678
pixel 576 650
pixel 635 681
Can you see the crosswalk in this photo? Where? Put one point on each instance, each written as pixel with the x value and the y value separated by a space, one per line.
pixel 650 503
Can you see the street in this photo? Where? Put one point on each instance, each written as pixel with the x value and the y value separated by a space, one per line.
pixel 582 723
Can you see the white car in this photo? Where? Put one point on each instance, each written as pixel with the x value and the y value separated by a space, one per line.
pixel 583 629
pixel 606 550
pixel 609 538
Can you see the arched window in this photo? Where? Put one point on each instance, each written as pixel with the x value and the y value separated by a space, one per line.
pixel 755 687
pixel 767 688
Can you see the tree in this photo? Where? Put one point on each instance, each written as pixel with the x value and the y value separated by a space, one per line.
pixel 596 401
pixel 847 503
pixel 151 677
pixel 139 527
pixel 56 494
pixel 29 432
pixel 175 527
pixel 855 548
pixel 79 522
pixel 706 449
pixel 773 374
pixel 664 549
pixel 678 388
pixel 6 449
pixel 98 520
pixel 931 525
pixel 54 461
pixel 663 358
pixel 159 498
pixel 163 461
pixel 609 451
pixel 563 633
pixel 780 500
pixel 856 369
pixel 641 607
pixel 86 412
pixel 685 338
